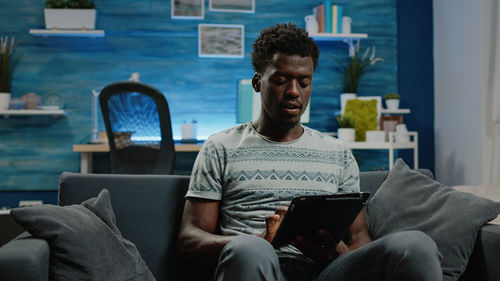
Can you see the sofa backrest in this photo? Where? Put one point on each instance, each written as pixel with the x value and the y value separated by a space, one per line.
pixel 148 209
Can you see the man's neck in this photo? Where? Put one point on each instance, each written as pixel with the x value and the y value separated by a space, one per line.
pixel 278 133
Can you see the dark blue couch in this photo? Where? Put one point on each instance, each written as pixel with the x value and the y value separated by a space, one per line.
pixel 148 210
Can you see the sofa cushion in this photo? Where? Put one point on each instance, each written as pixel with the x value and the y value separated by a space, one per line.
pixel 85 243
pixel 409 200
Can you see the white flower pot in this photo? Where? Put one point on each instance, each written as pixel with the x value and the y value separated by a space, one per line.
pixel 69 18
pixel 346 134
pixel 344 97
pixel 4 101
pixel 392 104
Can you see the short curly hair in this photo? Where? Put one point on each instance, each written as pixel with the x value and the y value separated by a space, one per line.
pixel 285 38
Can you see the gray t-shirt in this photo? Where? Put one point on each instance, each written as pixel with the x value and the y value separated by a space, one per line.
pixel 251 175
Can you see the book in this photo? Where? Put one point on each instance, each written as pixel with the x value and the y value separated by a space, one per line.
pixel 319 12
pixel 339 19
pixel 334 18
pixel 328 16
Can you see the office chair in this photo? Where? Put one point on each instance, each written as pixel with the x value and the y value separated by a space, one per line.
pixel 138 127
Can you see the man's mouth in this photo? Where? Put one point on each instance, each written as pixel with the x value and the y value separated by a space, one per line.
pixel 291 107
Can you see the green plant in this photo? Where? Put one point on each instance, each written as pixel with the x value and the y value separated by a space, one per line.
pixel 391 96
pixel 70 4
pixel 346 121
pixel 365 114
pixel 355 67
pixel 7 62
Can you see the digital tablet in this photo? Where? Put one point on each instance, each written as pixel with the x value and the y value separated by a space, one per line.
pixel 307 214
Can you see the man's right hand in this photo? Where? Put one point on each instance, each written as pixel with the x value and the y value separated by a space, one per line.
pixel 273 222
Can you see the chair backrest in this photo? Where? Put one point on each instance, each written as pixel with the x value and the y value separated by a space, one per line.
pixel 138 128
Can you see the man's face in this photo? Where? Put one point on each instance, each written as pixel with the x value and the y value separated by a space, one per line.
pixel 285 88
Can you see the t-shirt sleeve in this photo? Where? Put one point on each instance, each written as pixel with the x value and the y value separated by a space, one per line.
pixel 206 177
pixel 350 174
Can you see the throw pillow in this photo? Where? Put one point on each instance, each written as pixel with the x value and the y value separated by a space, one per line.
pixel 409 200
pixel 85 243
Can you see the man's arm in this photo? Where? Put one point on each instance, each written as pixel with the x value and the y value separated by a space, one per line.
pixel 197 239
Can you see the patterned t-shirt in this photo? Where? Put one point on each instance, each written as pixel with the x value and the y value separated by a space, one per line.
pixel 251 175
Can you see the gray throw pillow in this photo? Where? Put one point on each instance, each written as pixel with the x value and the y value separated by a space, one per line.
pixel 85 243
pixel 409 200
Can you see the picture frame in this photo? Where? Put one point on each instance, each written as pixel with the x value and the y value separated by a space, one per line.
pixel 187 9
pixel 221 41
pixel 232 6
pixel 397 118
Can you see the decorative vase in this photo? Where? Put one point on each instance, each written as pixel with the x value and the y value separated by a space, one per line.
pixel 346 134
pixel 4 101
pixel 392 104
pixel 69 18
pixel 344 97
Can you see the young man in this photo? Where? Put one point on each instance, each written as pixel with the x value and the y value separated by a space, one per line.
pixel 244 177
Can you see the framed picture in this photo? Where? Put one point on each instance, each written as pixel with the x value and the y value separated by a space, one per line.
pixel 187 9
pixel 221 41
pixel 397 119
pixel 235 6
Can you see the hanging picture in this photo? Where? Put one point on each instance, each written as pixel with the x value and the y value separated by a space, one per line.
pixel 221 40
pixel 238 6
pixel 187 9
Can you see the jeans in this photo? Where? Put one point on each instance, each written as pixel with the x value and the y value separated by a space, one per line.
pixel 408 255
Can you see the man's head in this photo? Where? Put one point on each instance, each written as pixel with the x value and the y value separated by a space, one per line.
pixel 284 38
pixel 284 59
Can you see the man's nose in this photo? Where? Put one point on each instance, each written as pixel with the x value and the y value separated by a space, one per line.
pixel 293 89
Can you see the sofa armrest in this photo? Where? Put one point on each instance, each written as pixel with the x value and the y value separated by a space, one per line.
pixel 490 242
pixel 25 258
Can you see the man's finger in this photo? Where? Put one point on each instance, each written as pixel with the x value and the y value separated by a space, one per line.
pixel 327 238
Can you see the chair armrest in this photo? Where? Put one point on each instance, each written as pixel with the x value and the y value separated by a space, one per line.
pixel 25 258
pixel 490 242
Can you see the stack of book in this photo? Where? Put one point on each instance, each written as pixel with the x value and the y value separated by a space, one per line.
pixel 329 17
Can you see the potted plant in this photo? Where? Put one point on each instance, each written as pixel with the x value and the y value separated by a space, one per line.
pixel 354 68
pixel 70 14
pixel 346 130
pixel 7 64
pixel 392 101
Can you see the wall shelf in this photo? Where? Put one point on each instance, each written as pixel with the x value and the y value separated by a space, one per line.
pixel 396 111
pixel 337 36
pixel 349 38
pixel 31 112
pixel 67 33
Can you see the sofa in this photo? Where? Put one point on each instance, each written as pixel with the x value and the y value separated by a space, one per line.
pixel 148 210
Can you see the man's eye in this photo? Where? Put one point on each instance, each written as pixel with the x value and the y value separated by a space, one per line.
pixel 305 83
pixel 280 81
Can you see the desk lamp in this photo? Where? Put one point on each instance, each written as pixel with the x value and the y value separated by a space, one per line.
pixel 95 94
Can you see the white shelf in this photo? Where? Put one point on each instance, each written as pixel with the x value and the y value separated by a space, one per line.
pixel 397 111
pixel 337 36
pixel 67 32
pixel 380 145
pixel 32 112
pixel 348 38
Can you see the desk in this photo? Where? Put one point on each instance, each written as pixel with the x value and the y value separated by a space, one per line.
pixel 86 151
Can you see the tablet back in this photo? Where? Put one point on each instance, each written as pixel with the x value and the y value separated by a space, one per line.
pixel 307 214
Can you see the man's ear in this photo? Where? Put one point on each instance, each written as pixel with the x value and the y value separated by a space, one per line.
pixel 256 82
